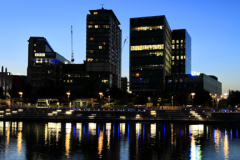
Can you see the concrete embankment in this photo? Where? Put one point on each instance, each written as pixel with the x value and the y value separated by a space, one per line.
pixel 117 115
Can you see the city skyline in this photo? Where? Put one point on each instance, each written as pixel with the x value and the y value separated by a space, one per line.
pixel 214 48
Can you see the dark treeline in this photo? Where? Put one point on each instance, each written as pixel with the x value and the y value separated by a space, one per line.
pixel 120 97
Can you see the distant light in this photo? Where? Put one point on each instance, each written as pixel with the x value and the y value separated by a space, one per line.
pixel 194 73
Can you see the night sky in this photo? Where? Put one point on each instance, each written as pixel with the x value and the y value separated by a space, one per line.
pixel 212 24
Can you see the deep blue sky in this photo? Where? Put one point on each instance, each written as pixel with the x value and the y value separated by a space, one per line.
pixel 212 24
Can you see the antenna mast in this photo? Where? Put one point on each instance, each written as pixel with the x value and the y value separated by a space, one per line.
pixel 72 59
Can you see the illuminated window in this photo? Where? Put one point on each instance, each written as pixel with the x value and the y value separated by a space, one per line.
pixel 160 53
pixel 137 74
pixel 105 26
pixel 96 26
pixel 104 81
pixel 173 41
pixel 95 12
pixel 35 44
pixel 184 57
pixel 147 47
pixel 173 46
pixel 34 51
pixel 181 46
pixel 90 51
pixel 90 23
pixel 100 47
pixel 177 41
pixel 90 59
pixel 177 57
pixel 173 57
pixel 181 57
pixel 90 26
pixel 181 40
pixel 91 38
pixel 145 28
pixel 39 54
pixel 177 46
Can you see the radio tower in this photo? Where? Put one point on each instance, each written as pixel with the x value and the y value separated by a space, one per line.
pixel 72 59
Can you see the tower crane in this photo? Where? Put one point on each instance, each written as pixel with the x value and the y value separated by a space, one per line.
pixel 72 59
pixel 124 42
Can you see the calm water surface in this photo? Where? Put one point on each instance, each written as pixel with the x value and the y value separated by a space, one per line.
pixel 125 141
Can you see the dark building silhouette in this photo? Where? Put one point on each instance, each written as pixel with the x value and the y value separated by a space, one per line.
pixel 181 52
pixel 150 53
pixel 8 81
pixel 103 56
pixel 43 62
pixel 104 47
pixel 124 84
pixel 188 83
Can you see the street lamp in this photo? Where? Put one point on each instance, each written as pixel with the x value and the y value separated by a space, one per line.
pixel 100 94
pixel 68 94
pixel 20 93
pixel 193 94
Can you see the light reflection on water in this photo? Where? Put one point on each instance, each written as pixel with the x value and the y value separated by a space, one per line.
pixel 54 140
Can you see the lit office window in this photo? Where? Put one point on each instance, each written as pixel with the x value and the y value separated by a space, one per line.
pixel 177 41
pixel 100 47
pixel 95 12
pixel 35 44
pixel 90 26
pixel 184 57
pixel 181 57
pixel 145 28
pixel 177 46
pixel 147 47
pixel 158 53
pixel 90 59
pixel 34 51
pixel 91 38
pixel 181 46
pixel 173 46
pixel 173 57
pixel 173 41
pixel 181 40
pixel 173 62
pixel 104 43
pixel 96 26
pixel 104 81
pixel 177 57
pixel 39 54
pixel 105 26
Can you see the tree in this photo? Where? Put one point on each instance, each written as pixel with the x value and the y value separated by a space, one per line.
pixel 202 97
pixel 1 93
pixel 234 98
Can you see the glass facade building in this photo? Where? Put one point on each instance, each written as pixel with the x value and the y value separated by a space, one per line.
pixel 181 52
pixel 150 53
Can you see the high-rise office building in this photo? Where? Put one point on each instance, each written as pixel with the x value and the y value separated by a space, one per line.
pixel 150 53
pixel 43 62
pixel 181 52
pixel 103 52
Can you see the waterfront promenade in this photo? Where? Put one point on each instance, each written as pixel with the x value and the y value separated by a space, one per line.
pixel 184 115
